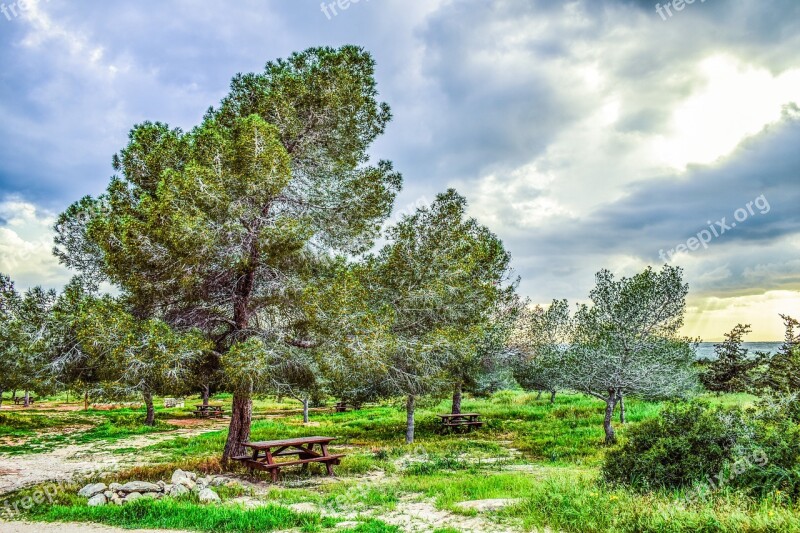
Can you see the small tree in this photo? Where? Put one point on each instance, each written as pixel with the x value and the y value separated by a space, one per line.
pixel 438 283
pixel 783 369
pixel 137 356
pixel 627 342
pixel 538 344
pixel 732 371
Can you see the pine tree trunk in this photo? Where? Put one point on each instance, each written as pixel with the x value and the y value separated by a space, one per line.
pixel 150 419
pixel 621 409
pixel 27 401
pixel 410 401
pixel 239 429
pixel 206 392
pixel 552 397
pixel 611 403
pixel 305 410
pixel 457 399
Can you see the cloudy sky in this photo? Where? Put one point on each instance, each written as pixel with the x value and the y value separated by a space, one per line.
pixel 590 134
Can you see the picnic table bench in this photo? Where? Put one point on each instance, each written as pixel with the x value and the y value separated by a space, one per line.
pixel 21 399
pixel 465 420
pixel 341 407
pixel 265 453
pixel 208 411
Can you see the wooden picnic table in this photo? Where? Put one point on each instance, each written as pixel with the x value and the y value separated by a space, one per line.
pixel 466 420
pixel 208 411
pixel 341 407
pixel 21 399
pixel 265 452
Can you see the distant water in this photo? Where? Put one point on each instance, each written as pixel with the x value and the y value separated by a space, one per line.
pixel 706 349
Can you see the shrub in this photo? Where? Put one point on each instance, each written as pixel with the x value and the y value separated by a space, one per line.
pixel 683 445
pixel 757 451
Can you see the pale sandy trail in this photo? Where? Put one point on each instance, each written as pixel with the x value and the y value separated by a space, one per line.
pixel 64 462
pixel 40 527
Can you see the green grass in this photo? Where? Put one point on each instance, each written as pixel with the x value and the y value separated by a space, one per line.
pixel 560 448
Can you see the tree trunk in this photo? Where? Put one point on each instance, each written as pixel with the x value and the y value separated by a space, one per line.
pixel 150 419
pixel 552 397
pixel 27 401
pixel 621 409
pixel 1 397
pixel 539 395
pixel 13 395
pixel 410 401
pixel 305 410
pixel 239 429
pixel 611 403
pixel 206 392
pixel 86 400
pixel 457 399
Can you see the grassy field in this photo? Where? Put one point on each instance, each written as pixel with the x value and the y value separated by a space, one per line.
pixel 544 456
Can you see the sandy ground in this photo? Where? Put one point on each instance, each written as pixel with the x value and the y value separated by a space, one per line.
pixel 24 527
pixel 62 463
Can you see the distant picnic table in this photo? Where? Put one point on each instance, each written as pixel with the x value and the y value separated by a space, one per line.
pixel 465 420
pixel 265 452
pixel 208 411
pixel 341 407
pixel 21 399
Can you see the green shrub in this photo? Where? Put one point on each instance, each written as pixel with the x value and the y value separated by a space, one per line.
pixel 757 451
pixel 684 445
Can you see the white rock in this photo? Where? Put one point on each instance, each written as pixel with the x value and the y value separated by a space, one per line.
pixel 108 494
pixel 208 496
pixel 218 481
pixel 133 496
pixel 91 490
pixel 140 486
pixel 178 475
pixel 115 486
pixel 348 525
pixel 483 506
pixel 178 490
pixel 116 500
pixel 97 500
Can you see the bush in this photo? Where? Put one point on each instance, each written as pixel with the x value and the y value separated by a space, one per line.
pixel 757 452
pixel 683 445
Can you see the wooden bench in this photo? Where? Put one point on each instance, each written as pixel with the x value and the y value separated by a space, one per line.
pixel 264 454
pixel 466 420
pixel 208 411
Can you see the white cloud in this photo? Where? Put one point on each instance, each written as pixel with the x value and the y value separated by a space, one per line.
pixel 26 243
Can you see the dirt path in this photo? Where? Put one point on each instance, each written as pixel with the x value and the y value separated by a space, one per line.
pixel 62 463
pixel 40 527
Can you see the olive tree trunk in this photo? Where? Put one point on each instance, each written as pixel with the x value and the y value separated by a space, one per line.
pixel 150 419
pixel 611 403
pixel 457 399
pixel 552 397
pixel 621 400
pixel 410 403
pixel 206 392
pixel 239 428
pixel 27 401
pixel 305 409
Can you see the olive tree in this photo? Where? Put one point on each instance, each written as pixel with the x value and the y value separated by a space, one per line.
pixel 627 341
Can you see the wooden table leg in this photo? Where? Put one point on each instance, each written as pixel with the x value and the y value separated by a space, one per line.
pixel 328 465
